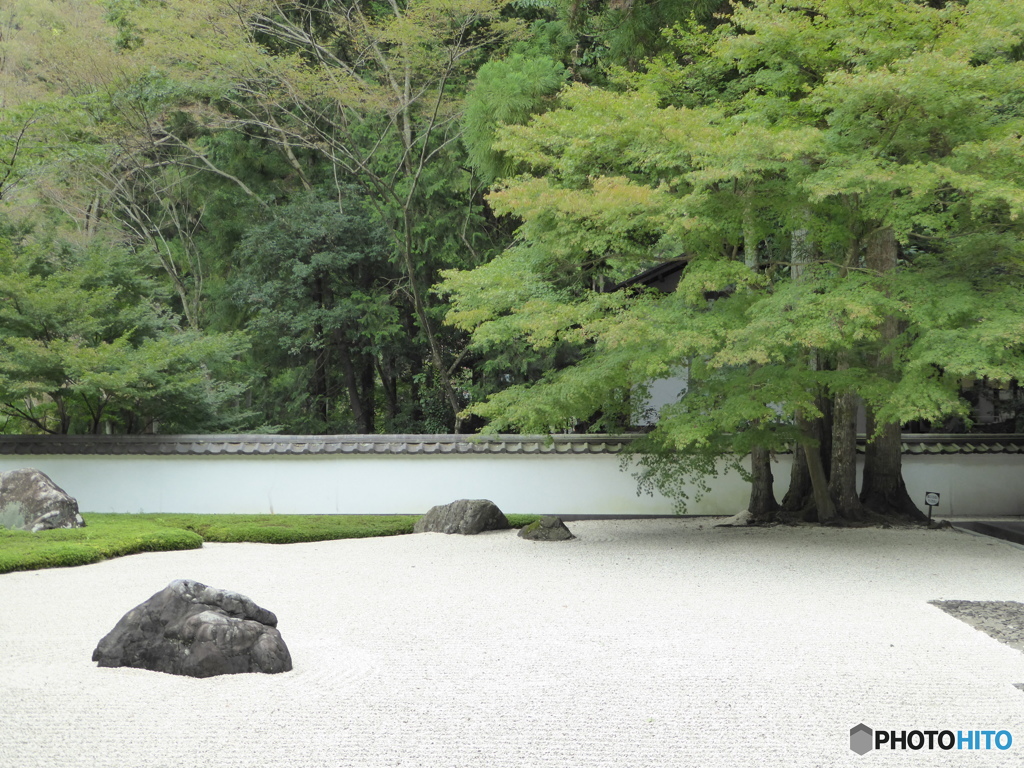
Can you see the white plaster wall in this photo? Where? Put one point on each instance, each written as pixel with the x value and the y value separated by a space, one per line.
pixel 971 486
pixel 358 484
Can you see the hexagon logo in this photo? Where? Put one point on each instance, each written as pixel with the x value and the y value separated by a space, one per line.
pixel 861 738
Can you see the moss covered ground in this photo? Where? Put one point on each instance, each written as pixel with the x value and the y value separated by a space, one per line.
pixel 116 535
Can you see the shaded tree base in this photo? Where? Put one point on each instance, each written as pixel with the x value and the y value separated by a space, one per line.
pixel 869 518
pixel 895 507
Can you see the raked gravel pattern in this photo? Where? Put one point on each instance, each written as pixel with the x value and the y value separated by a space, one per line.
pixel 640 643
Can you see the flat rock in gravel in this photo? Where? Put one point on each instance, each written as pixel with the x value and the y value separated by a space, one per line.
pixel 465 516
pixel 194 630
pixel 548 528
pixel 31 501
pixel 1002 620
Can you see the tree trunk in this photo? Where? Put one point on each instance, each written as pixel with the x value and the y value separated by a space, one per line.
pixel 419 305
pixel 762 505
pixel 824 429
pixel 348 371
pixel 801 251
pixel 389 387
pixel 883 491
pixel 416 366
pixel 319 386
pixel 842 480
pixel 800 494
pixel 826 510
pixel 92 215
pixel 842 484
pixel 803 495
pixel 368 394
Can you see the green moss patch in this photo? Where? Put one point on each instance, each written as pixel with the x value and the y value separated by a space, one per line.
pixel 288 529
pixel 111 535
pixel 104 537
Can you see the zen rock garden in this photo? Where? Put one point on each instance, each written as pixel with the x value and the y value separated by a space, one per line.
pixel 31 501
pixel 191 629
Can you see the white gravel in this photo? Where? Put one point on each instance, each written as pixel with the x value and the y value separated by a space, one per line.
pixel 642 643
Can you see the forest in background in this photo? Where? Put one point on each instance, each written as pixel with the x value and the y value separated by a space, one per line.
pixel 230 216
pixel 428 216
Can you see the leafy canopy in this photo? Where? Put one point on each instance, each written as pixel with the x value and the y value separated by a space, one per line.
pixel 821 121
pixel 84 347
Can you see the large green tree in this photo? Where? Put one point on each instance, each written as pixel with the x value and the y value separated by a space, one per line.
pixel 314 281
pixel 84 347
pixel 371 91
pixel 844 184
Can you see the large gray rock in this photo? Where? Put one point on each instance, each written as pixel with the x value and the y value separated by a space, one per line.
pixel 30 501
pixel 191 629
pixel 548 528
pixel 465 516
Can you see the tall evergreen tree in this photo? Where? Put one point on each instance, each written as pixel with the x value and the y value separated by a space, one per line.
pixel 313 280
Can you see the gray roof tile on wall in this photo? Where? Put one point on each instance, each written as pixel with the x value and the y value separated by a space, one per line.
pixel 961 444
pixel 264 445
pixel 416 445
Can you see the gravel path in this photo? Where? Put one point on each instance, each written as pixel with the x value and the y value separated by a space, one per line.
pixel 642 643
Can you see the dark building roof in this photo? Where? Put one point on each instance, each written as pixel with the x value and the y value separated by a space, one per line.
pixel 306 445
pixel 665 276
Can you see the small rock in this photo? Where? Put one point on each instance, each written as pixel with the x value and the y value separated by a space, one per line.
pixel 548 528
pixel 194 630
pixel 465 516
pixel 742 518
pixel 31 501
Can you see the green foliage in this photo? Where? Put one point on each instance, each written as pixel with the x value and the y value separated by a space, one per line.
pixel 313 280
pixel 681 476
pixel 119 13
pixel 195 123
pixel 83 346
pixel 505 92
pixel 216 139
pixel 620 33
pixel 28 133
pixel 632 31
pixel 822 122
